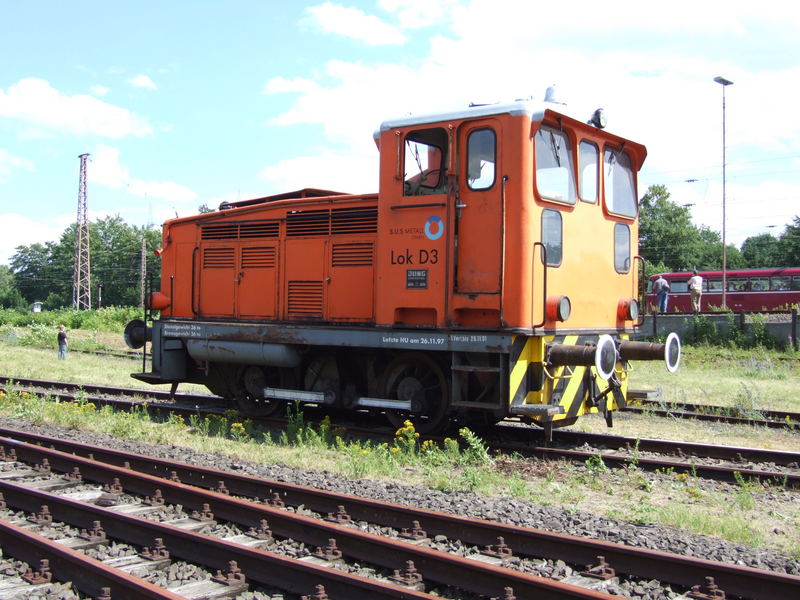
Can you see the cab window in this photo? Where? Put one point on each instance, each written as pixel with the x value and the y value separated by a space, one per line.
pixel 620 192
pixel 555 174
pixel 481 159
pixel 588 173
pixel 622 248
pixel 552 236
pixel 425 160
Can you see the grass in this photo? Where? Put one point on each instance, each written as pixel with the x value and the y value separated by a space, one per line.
pixel 714 375
pixel 747 512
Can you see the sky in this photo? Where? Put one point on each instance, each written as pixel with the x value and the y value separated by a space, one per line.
pixel 183 103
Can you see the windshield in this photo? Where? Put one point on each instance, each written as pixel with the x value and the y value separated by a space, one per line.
pixel 620 191
pixel 555 175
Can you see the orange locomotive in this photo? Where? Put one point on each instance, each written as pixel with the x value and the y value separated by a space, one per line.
pixel 494 274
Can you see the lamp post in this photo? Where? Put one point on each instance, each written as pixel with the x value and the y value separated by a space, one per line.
pixel 724 83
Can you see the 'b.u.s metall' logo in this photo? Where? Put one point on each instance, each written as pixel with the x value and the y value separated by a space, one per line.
pixel 434 227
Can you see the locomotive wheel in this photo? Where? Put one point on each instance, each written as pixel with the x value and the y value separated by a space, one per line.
pixel 417 377
pixel 248 395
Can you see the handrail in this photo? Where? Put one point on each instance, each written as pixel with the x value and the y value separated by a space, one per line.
pixel 194 269
pixel 543 255
pixel 641 296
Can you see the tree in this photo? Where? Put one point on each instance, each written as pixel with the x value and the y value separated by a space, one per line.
pixel 667 235
pixel 790 244
pixel 44 272
pixel 669 239
pixel 10 296
pixel 762 251
pixel 34 275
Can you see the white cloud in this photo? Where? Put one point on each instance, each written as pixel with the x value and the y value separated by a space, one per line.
pixel 107 170
pixel 281 85
pixel 19 230
pixel 353 174
pixel 35 101
pixel 142 81
pixel 9 163
pixel 414 14
pixel 652 73
pixel 353 23
pixel 751 209
pixel 99 90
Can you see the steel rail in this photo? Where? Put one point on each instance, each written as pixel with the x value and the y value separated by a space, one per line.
pixel 435 566
pixel 773 419
pixel 90 576
pixel 624 460
pixel 719 473
pixel 105 389
pixel 680 448
pixel 264 567
pixel 637 562
pixel 733 453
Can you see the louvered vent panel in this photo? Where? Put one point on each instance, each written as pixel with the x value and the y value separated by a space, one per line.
pixel 305 298
pixel 258 258
pixel 219 231
pixel 354 220
pixel 267 229
pixel 312 222
pixel 218 258
pixel 352 255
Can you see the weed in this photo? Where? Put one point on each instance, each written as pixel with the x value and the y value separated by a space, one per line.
pixel 596 466
pixel 745 403
pixel 633 461
pixel 475 452
pixel 517 487
pixel 745 495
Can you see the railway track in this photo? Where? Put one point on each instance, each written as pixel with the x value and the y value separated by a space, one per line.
pixel 147 498
pixel 707 461
pixel 640 402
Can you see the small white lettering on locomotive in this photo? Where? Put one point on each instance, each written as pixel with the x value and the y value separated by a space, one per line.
pixel 186 330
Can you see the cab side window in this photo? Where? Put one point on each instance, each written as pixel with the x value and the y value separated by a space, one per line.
pixel 552 236
pixel 425 161
pixel 588 172
pixel 622 248
pixel 481 159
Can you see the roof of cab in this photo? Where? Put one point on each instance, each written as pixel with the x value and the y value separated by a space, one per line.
pixel 534 109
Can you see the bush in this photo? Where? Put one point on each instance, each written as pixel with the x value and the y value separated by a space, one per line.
pixel 111 318
pixel 704 331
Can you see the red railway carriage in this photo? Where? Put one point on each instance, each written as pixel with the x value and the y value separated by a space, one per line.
pixel 748 290
pixel 492 275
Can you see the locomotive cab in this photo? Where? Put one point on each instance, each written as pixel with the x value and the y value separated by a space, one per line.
pixel 494 274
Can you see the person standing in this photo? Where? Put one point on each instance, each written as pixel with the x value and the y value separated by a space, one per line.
pixel 661 290
pixel 696 290
pixel 62 343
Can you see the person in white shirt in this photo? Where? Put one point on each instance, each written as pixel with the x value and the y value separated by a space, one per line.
pixel 696 290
